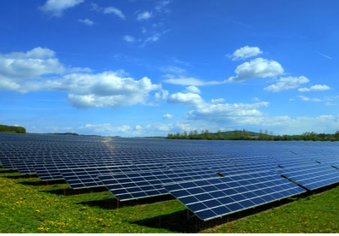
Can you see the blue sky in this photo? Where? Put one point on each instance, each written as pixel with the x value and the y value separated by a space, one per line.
pixel 152 67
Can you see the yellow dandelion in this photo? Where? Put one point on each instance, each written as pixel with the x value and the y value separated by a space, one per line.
pixel 37 210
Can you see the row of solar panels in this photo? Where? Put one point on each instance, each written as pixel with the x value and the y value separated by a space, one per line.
pixel 226 177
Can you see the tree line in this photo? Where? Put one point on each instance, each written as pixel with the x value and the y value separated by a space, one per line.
pixel 248 135
pixel 12 129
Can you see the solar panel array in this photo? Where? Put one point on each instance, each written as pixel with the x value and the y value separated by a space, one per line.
pixel 211 178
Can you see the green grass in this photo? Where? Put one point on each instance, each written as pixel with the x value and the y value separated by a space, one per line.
pixel 28 205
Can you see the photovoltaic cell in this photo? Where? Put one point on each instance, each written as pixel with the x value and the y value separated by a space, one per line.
pixel 210 178
pixel 219 199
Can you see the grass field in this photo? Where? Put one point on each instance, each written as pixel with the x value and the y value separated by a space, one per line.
pixel 28 205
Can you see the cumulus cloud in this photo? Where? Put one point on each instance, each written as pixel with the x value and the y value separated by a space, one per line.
pixel 192 89
pixel 105 90
pixel 161 95
pixel 187 98
pixel 315 88
pixel 105 129
pixel 287 83
pixel 298 125
pixel 39 70
pixel 182 80
pixel 167 116
pixel 86 22
pixel 257 68
pixel 238 112
pixel 17 67
pixel 201 110
pixel 129 39
pixel 144 16
pixel 284 124
pixel 218 100
pixel 245 52
pixel 307 99
pixel 137 130
pixel 56 7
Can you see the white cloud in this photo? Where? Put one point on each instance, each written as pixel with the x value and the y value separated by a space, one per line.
pixel 129 39
pixel 284 124
pixel 245 52
pixel 108 10
pixel 187 98
pixel 330 104
pixel 106 129
pixel 86 22
pixel 56 7
pixel 230 114
pixel 173 69
pixel 257 68
pixel 115 11
pixel 167 116
pixel 236 113
pixel 218 100
pixel 192 89
pixel 17 67
pixel 155 37
pixel 144 16
pixel 161 95
pixel 40 53
pixel 287 83
pixel 162 6
pixel 153 129
pixel 106 90
pixel 182 80
pixel 307 99
pixel 255 99
pixel 315 88
pixel 298 125
pixel 25 72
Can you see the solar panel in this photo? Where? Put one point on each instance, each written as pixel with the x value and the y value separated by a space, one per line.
pixel 212 178
pixel 217 197
pixel 88 177
pixel 313 176
pixel 129 186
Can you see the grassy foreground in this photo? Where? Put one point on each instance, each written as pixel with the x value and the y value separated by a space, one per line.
pixel 28 205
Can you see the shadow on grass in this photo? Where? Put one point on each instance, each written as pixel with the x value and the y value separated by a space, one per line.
pixel 69 192
pixel 24 176
pixel 180 221
pixel 112 203
pixel 6 171
pixel 43 183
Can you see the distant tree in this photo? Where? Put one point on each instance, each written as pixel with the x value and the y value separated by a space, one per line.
pixel 195 134
pixel 185 135
pixel 219 135
pixel 336 135
pixel 12 129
